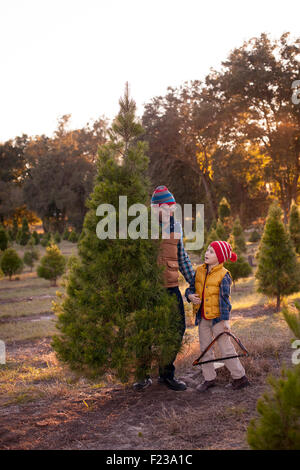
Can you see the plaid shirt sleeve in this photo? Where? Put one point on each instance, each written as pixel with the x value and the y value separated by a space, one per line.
pixel 191 289
pixel 185 265
pixel 225 291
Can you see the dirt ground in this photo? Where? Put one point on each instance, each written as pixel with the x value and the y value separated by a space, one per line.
pixel 116 417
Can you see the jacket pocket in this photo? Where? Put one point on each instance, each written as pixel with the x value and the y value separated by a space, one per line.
pixel 171 273
pixel 173 265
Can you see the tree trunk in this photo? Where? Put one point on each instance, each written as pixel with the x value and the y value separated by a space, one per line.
pixel 285 212
pixel 209 197
pixel 278 303
pixel 45 225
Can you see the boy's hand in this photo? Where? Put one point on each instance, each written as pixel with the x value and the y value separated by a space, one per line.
pixel 226 325
pixel 194 298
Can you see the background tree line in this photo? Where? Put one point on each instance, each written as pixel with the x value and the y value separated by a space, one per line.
pixel 235 134
pixel 50 177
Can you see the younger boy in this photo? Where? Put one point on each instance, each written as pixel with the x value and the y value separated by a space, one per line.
pixel 210 288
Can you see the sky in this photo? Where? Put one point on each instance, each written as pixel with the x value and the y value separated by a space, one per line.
pixel 74 56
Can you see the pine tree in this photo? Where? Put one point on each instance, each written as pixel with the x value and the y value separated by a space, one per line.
pixel 278 424
pixel 224 209
pixel 66 233
pixel 213 225
pixel 239 242
pixel 240 269
pixel 57 237
pixel 31 254
pixel 36 237
pixel 15 229
pixel 278 272
pixel 254 237
pixel 293 320
pixel 23 234
pixel 294 226
pixel 224 213
pixel 116 314
pixel 3 239
pixel 52 265
pixel 73 237
pixel 220 231
pixel 47 239
pixel 11 263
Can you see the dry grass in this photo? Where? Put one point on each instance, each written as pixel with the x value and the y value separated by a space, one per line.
pixel 244 295
pixel 37 295
pixel 35 373
pixel 266 333
pixel 30 376
pixel 25 308
pixel 32 288
pixel 25 330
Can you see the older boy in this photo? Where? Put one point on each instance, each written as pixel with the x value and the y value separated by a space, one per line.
pixel 173 256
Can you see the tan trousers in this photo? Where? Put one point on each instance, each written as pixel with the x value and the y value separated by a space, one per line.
pixel 206 333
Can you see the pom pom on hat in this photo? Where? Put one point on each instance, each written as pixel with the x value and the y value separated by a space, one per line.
pixel 224 251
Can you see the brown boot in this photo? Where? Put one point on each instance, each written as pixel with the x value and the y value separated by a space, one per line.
pixel 240 383
pixel 205 385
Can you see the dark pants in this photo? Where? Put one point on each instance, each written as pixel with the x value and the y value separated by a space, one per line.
pixel 168 370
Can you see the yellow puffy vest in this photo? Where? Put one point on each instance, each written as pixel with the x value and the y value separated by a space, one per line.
pixel 212 289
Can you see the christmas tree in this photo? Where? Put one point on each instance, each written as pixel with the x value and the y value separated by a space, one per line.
pixel 66 234
pixel 240 269
pixel 15 229
pixel 11 263
pixel 279 415
pixel 3 239
pixel 31 254
pixel 224 213
pixel 57 237
pixel 24 233
pixel 278 424
pixel 116 315
pixel 278 271
pixel 35 237
pixel 239 242
pixel 224 209
pixel 220 231
pixel 52 265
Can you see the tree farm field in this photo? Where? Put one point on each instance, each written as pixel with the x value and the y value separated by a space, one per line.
pixel 44 405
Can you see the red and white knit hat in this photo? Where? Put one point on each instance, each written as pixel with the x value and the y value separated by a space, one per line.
pixel 223 251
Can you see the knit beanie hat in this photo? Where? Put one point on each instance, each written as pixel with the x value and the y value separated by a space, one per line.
pixel 223 251
pixel 161 195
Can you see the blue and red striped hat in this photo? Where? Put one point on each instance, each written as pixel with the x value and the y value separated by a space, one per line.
pixel 161 195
